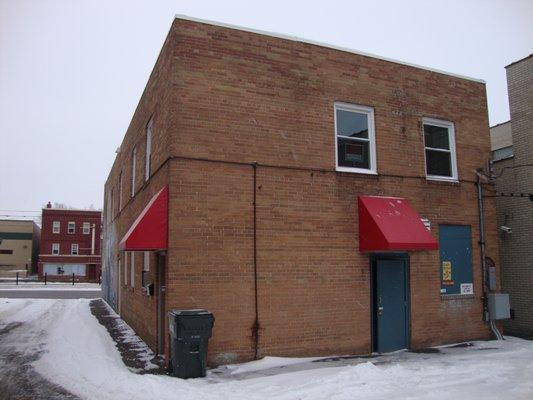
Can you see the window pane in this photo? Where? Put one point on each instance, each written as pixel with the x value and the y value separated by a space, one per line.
pixel 438 163
pixel 436 137
pixel 353 153
pixel 502 153
pixel 352 124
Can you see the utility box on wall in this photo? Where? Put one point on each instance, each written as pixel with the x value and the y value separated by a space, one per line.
pixel 498 304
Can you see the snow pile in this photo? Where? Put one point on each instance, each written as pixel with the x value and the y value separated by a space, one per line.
pixel 81 357
pixel 267 363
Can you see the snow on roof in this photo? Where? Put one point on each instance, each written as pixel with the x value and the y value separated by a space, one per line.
pixel 321 44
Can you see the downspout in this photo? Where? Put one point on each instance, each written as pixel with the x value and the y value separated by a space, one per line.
pixel 486 316
pixel 255 326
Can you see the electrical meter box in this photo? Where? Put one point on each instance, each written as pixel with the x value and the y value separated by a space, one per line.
pixel 498 304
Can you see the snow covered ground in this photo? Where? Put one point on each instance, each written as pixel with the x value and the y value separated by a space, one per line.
pixel 78 354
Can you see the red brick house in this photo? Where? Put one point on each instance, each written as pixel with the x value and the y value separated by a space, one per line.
pixel 70 244
pixel 317 200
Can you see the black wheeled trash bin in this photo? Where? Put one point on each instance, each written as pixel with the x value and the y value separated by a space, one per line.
pixel 189 331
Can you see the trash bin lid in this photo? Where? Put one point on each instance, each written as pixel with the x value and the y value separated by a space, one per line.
pixel 190 312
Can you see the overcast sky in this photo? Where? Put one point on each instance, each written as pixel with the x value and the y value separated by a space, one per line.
pixel 72 72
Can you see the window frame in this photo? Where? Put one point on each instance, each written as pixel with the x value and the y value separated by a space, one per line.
pixel 88 225
pixel 68 227
pixel 54 225
pixel 120 191
pixel 453 151
pixel 125 268
pixel 74 246
pixel 369 111
pixel 54 247
pixel 133 169
pixel 148 150
pixel 132 269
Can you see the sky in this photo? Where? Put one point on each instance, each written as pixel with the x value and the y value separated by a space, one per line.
pixel 72 72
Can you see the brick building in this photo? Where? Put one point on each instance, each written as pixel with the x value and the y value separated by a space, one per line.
pixel 70 244
pixel 513 168
pixel 315 199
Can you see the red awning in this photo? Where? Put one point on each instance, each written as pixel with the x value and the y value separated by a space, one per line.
pixel 149 231
pixel 391 224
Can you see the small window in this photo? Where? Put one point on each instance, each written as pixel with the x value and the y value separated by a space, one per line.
pixel 56 227
pixel 86 228
pixel 146 268
pixel 355 138
pixel 6 251
pixel 74 249
pixel 55 248
pixel 503 153
pixel 71 227
pixel 148 149
pixel 133 167
pixel 120 191
pixel 125 268
pixel 439 143
pixel 132 269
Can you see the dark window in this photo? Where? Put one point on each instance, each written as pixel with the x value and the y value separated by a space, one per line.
pixel 355 137
pixel 6 251
pixel 439 148
pixel 353 153
pixel 438 163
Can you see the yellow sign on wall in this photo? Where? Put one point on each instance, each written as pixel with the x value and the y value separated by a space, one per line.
pixel 446 271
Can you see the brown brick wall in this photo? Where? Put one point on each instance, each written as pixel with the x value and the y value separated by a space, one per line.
pixel 236 97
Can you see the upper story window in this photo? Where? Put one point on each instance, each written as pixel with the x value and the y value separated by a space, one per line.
pixel 74 249
pixel 439 144
pixel 71 227
pixel 56 227
pixel 148 149
pixel 355 138
pixel 120 191
pixel 133 167
pixel 86 228
pixel 55 248
pixel 502 153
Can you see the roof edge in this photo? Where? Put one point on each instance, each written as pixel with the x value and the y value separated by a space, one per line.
pixel 517 61
pixel 322 44
pixel 501 123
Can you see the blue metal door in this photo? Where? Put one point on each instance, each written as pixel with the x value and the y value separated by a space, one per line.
pixel 456 259
pixel 390 304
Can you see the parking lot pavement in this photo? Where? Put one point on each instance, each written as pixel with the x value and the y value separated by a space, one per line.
pixel 19 348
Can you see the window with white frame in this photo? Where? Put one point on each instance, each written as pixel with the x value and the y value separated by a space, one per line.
pixel 133 168
pixel 120 191
pixel 71 227
pixel 146 268
pixel 355 141
pixel 74 249
pixel 125 268
pixel 132 269
pixel 86 228
pixel 55 248
pixel 148 149
pixel 56 227
pixel 439 146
